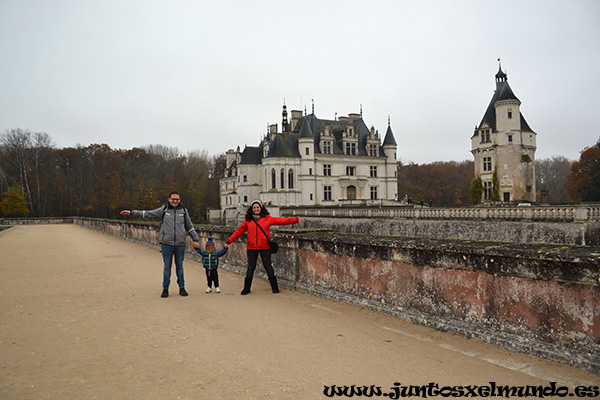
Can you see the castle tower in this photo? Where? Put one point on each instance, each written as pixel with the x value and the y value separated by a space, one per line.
pixel 503 146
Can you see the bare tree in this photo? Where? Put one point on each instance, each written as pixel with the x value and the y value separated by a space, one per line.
pixel 551 175
pixel 41 151
pixel 17 143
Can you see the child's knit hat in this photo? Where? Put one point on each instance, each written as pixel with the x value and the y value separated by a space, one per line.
pixel 210 245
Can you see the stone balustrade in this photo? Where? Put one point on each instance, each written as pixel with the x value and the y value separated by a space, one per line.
pixel 577 213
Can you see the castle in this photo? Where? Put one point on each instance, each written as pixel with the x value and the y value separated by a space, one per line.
pixel 504 148
pixel 311 162
pixel 321 162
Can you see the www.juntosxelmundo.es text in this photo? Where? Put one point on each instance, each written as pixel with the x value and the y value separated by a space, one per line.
pixel 435 390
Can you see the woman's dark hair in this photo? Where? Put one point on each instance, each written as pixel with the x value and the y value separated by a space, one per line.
pixel 263 212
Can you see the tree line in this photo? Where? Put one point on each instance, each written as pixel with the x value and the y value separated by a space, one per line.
pixel 562 181
pixel 38 179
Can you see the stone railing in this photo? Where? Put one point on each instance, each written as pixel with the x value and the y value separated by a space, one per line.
pixel 573 225
pixel 579 213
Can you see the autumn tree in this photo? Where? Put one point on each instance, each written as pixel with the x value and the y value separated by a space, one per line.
pixel 14 204
pixel 583 183
pixel 442 183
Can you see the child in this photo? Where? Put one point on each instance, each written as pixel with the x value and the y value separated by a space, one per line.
pixel 210 259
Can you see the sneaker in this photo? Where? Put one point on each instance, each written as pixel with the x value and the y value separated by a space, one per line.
pixel 208 290
pixel 182 292
pixel 217 290
pixel 165 293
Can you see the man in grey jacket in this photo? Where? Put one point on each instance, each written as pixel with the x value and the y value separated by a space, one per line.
pixel 176 225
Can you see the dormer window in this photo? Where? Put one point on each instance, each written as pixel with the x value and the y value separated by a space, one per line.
pixel 326 147
pixel 351 149
pixel 373 150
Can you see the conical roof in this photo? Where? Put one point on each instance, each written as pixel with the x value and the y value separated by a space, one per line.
pixel 389 137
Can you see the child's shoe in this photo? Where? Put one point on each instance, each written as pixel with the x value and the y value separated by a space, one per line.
pixel 217 290
pixel 208 290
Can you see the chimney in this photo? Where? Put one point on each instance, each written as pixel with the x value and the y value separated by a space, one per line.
pixel 296 115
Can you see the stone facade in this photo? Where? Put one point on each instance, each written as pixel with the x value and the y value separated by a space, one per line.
pixel 311 161
pixel 504 144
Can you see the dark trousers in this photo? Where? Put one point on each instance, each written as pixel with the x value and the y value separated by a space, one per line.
pixel 265 255
pixel 212 276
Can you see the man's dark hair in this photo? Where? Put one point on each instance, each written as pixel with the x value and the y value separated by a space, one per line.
pixel 172 193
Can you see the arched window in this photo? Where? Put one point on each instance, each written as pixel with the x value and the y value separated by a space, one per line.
pixel 291 178
pixel 281 173
pixel 273 179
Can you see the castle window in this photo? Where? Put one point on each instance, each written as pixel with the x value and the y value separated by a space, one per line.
pixel 487 190
pixel 510 138
pixel 291 179
pixel 485 136
pixel 350 171
pixel 373 192
pixel 307 151
pixel 373 150
pixel 487 163
pixel 310 171
pixel 311 197
pixel 282 176
pixel 326 147
pixel 327 193
pixel 373 171
pixel 351 149
pixel 326 169
pixel 245 199
pixel 245 178
pixel 509 113
pixel 273 179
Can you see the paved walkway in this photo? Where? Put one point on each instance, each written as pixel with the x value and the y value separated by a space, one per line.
pixel 81 318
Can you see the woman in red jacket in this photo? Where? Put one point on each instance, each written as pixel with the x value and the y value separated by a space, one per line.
pixel 258 242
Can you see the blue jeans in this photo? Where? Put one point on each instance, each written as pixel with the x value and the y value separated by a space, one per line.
pixel 168 252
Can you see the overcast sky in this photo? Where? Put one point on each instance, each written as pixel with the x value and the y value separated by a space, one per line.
pixel 211 75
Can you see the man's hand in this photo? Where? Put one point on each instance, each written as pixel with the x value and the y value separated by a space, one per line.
pixel 196 245
pixel 125 212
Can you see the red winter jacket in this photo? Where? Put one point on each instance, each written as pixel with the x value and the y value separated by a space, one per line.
pixel 257 239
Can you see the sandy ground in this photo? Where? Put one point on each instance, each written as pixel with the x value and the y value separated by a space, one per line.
pixel 81 318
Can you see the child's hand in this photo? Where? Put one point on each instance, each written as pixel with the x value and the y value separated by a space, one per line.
pixel 226 246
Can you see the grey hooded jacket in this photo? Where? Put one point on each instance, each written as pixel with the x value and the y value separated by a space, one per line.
pixel 176 224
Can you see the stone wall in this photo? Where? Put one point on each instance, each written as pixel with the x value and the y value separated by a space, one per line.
pixel 570 233
pixel 573 225
pixel 538 299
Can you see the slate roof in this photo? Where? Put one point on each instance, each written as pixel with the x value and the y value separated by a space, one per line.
pixel 309 126
pixel 251 155
pixel 284 146
pixel 503 92
pixel 389 137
